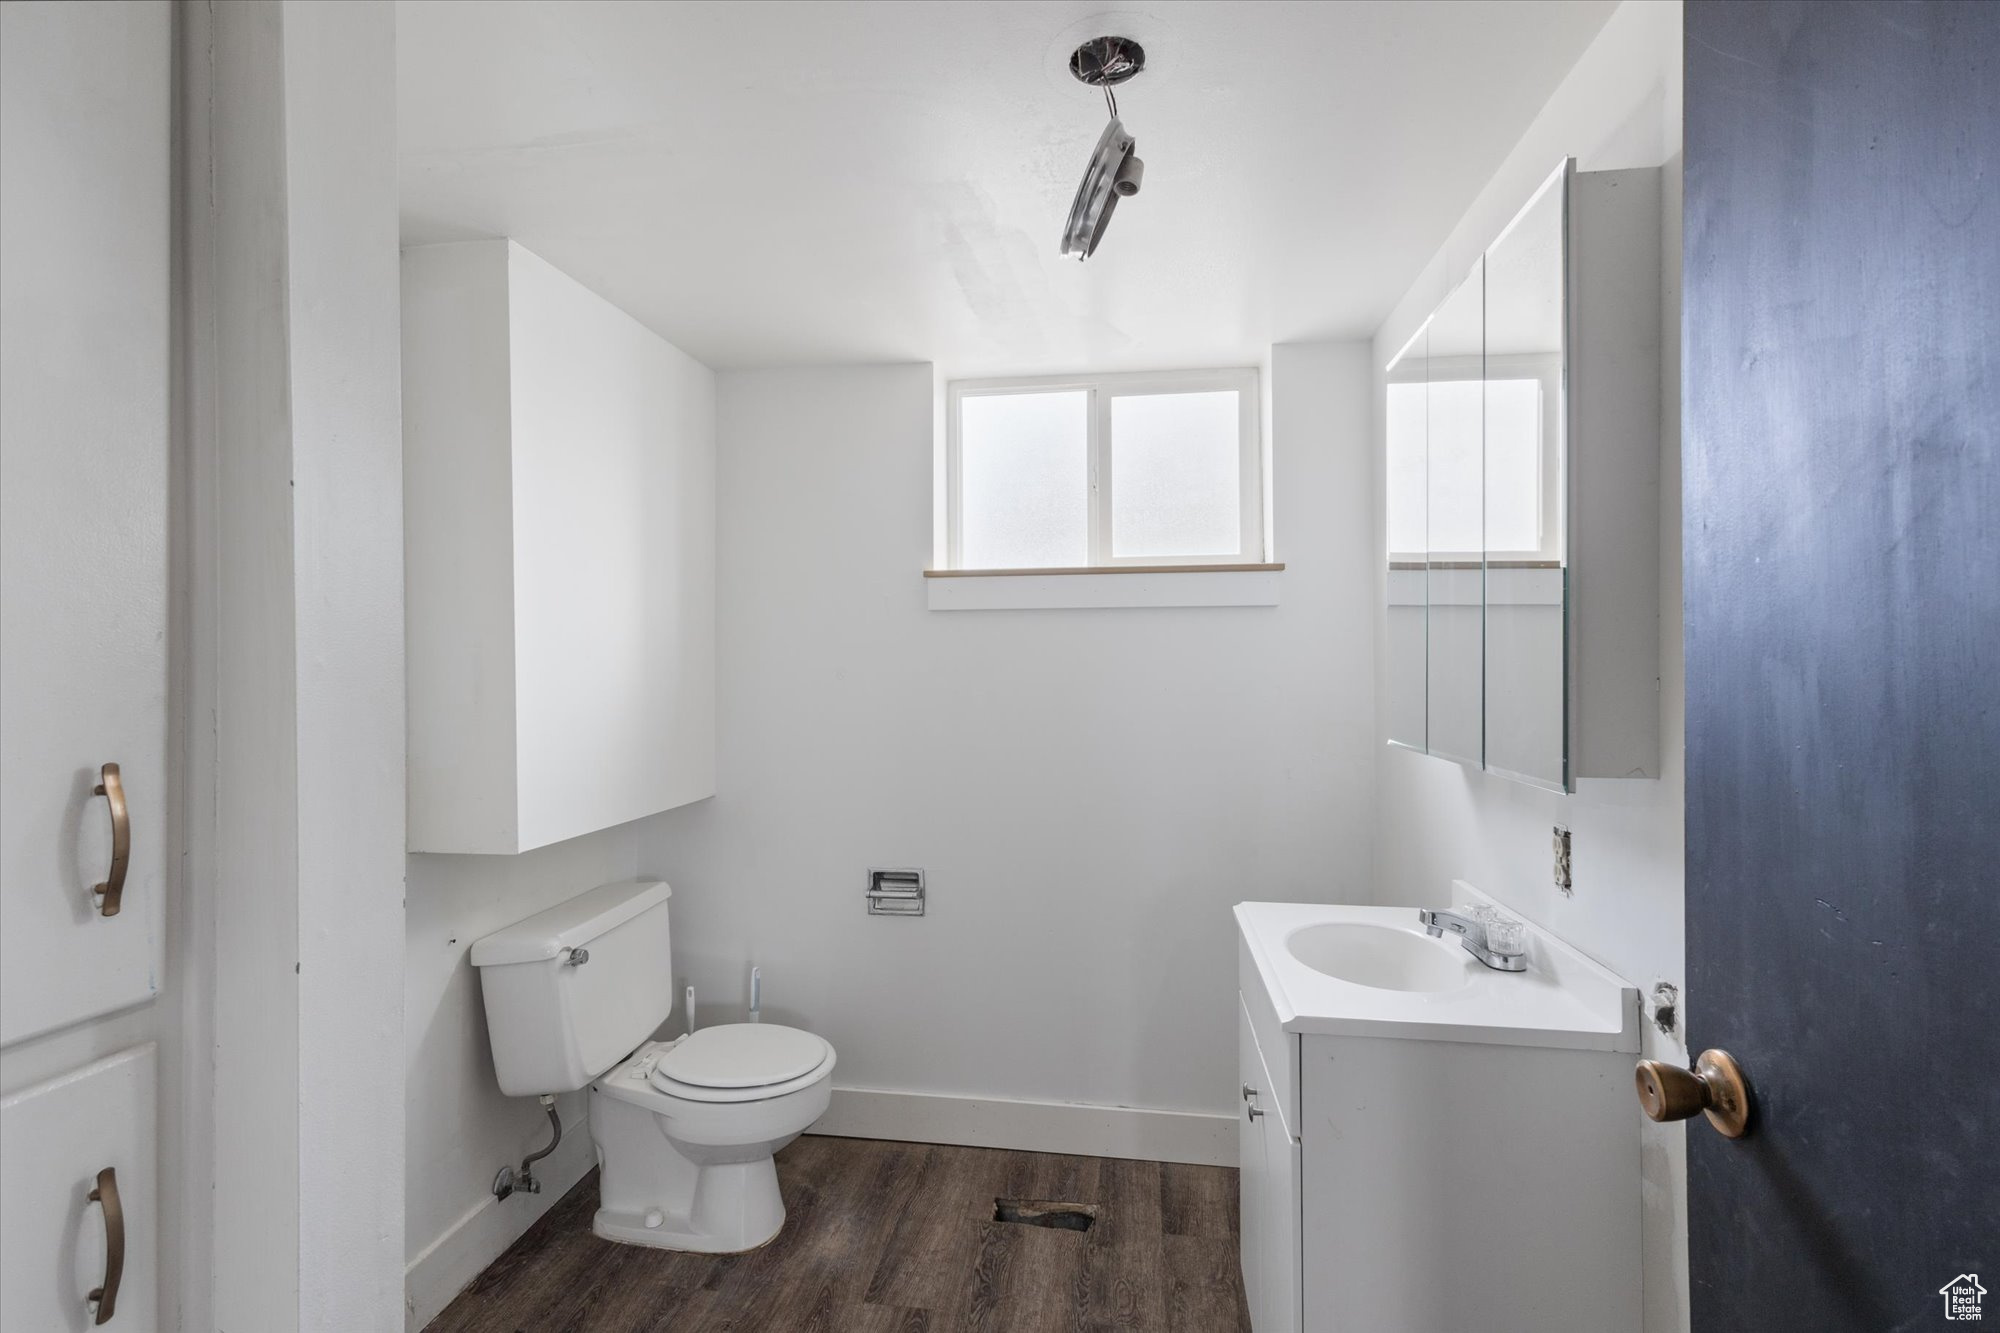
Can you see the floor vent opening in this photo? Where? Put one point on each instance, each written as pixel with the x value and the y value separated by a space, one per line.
pixel 1043 1213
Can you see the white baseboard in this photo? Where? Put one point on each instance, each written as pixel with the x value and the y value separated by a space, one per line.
pixel 1064 1127
pixel 482 1234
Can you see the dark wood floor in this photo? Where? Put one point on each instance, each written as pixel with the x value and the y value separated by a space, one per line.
pixel 896 1238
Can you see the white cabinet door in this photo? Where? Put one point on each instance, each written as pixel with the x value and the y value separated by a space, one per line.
pixel 57 1140
pixel 1280 1225
pixel 559 516
pixel 84 340
pixel 1253 1178
pixel 1269 1176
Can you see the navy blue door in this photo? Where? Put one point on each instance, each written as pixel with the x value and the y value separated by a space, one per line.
pixel 1841 402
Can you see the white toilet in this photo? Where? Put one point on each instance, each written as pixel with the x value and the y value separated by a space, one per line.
pixel 685 1129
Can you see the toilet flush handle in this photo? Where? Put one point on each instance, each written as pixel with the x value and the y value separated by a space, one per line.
pixel 577 958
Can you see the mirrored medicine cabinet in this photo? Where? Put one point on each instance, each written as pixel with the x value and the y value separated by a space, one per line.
pixel 1522 476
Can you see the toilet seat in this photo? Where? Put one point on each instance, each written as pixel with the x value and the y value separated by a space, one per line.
pixel 643 1078
pixel 689 1092
pixel 742 1055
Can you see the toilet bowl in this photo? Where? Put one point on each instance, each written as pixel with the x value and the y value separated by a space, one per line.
pixel 686 1130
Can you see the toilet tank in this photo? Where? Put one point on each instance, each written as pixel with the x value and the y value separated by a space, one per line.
pixel 572 991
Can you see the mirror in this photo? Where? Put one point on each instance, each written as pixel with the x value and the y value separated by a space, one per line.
pixel 1525 544
pixel 1521 641
pixel 1455 517
pixel 1408 415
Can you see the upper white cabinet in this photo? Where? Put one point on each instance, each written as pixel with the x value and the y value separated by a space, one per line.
pixel 1523 475
pixel 559 521
pixel 85 363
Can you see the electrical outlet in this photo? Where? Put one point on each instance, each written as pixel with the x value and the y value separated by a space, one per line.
pixel 1562 861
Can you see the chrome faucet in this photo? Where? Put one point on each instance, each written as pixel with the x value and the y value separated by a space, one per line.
pixel 1472 934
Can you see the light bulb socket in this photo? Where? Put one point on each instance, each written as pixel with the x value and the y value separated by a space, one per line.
pixel 1105 62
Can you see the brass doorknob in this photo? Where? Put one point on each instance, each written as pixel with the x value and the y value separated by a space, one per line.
pixel 1714 1087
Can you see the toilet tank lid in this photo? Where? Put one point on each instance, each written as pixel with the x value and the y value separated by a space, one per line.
pixel 583 918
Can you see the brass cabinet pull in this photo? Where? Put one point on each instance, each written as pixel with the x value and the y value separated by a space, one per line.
pixel 112 890
pixel 106 1195
pixel 1714 1087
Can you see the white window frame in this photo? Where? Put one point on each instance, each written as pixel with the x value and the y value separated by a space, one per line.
pixel 1102 390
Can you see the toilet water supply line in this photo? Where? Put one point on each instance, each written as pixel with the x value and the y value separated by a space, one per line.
pixel 525 1181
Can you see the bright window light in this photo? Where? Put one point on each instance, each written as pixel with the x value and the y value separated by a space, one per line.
pixel 1176 474
pixel 1514 466
pixel 1024 462
pixel 1088 472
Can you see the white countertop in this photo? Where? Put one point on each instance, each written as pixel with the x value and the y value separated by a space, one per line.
pixel 1564 999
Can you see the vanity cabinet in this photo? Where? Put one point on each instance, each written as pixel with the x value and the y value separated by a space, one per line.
pixel 1418 1163
pixel 559 521
pixel 1523 492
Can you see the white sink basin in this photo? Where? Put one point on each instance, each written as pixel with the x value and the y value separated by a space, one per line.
pixel 1384 957
pixel 1364 971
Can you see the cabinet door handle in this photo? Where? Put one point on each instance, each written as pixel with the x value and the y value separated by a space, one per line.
pixel 112 890
pixel 1248 1092
pixel 1254 1112
pixel 106 1196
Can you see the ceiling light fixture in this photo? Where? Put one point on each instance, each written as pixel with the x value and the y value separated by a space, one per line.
pixel 1115 169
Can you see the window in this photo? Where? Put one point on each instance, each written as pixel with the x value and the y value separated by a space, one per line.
pixel 1105 471
pixel 1502 499
pixel 1515 522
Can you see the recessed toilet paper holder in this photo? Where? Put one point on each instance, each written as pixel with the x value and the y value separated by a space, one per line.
pixel 897 892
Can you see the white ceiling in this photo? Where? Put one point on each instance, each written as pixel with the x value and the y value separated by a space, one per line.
pixel 779 183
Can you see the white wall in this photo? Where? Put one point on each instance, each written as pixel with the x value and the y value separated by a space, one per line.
pixel 296 667
pixel 347 523
pixel 1619 107
pixel 458 1128
pixel 1118 780
pixel 1089 791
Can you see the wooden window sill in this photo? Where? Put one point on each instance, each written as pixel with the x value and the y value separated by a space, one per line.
pixel 1099 569
pixel 1105 587
pixel 1475 564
